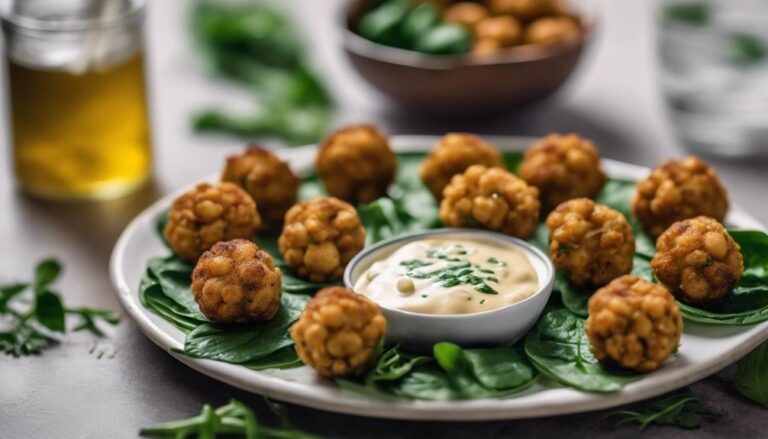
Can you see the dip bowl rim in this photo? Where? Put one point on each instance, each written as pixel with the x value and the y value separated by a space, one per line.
pixel 545 286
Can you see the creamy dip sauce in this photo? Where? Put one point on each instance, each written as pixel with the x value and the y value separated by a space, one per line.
pixel 456 276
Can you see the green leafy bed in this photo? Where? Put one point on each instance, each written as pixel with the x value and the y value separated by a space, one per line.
pixel 556 348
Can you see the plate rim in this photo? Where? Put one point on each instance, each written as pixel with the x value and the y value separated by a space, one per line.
pixel 462 410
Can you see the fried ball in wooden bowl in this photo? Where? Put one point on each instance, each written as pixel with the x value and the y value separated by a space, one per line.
pixel 526 9
pixel 338 332
pixel 452 155
pixel 678 190
pixel 591 241
pixel 267 179
pixel 633 323
pixel 235 282
pixel 505 30
pixel 466 13
pixel 320 237
pixel 563 167
pixel 356 164
pixel 698 260
pixel 207 214
pixel 491 198
pixel 550 30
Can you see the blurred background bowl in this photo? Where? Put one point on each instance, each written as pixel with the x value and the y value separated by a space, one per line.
pixel 465 86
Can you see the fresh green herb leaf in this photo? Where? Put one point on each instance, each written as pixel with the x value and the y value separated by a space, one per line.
pixel 89 318
pixel 682 410
pixel 49 311
pixel 230 420
pixel 32 320
pixel 382 24
pixel 46 273
pixel 558 347
pixel 8 292
pixel 751 377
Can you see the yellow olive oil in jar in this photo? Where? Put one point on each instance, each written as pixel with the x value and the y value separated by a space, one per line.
pixel 78 104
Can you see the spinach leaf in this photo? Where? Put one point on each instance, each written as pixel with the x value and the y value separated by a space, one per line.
pixel 453 373
pixel 246 343
pixel 174 277
pixel 558 347
pixel 748 302
pixel 751 377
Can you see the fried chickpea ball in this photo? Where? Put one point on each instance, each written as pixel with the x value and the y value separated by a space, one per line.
pixel 485 46
pixel 338 332
pixel 235 282
pixel 698 260
pixel 633 323
pixel 356 164
pixel 319 238
pixel 551 29
pixel 678 190
pixel 208 214
pixel 563 167
pixel 466 13
pixel 491 198
pixel 267 179
pixel 593 242
pixel 453 155
pixel 505 30
pixel 525 9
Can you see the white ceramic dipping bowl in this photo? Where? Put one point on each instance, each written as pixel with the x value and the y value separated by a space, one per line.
pixel 502 326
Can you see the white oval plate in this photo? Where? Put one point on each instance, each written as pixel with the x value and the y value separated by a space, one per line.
pixel 704 349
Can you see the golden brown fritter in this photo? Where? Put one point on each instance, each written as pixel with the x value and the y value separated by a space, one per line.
pixel 593 242
pixel 356 164
pixel 633 323
pixel 235 282
pixel 525 9
pixel 552 29
pixel 698 260
pixel 267 179
pixel 491 198
pixel 485 46
pixel 505 30
pixel 678 190
pixel 320 237
pixel 208 214
pixel 338 332
pixel 466 13
pixel 563 168
pixel 453 155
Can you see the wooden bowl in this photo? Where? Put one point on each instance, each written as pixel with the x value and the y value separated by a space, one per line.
pixel 464 86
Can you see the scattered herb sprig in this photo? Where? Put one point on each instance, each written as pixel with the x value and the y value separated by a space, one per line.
pixel 35 312
pixel 232 419
pixel 681 410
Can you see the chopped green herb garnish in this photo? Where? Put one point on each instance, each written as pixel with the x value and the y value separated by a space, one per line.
pixel 494 261
pixel 412 264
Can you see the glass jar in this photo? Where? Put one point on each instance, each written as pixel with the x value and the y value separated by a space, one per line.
pixel 78 104
pixel 713 56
